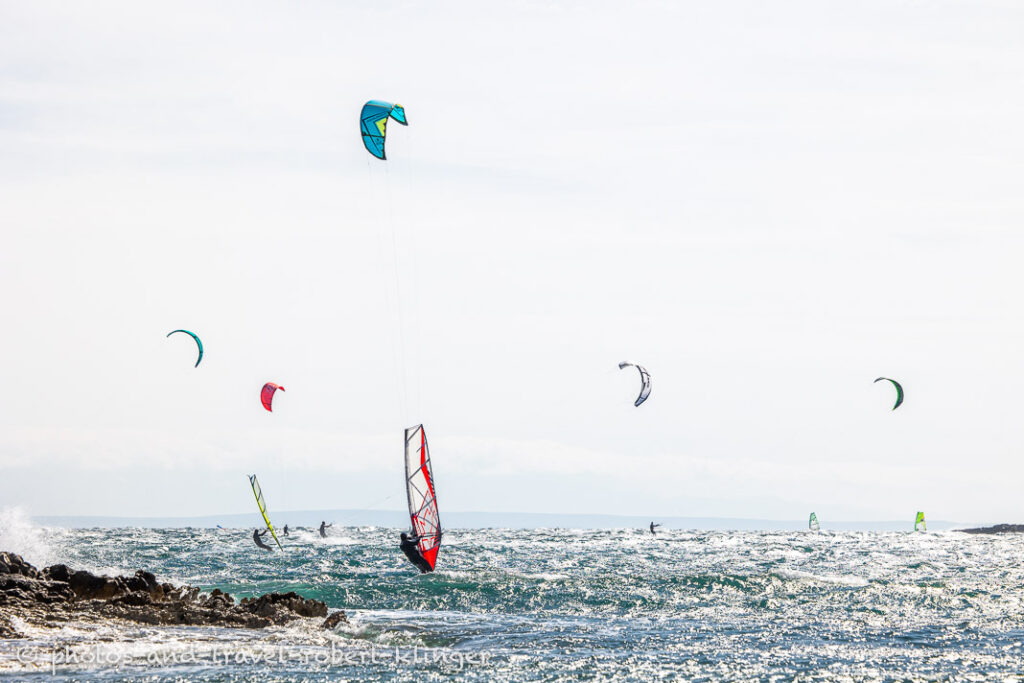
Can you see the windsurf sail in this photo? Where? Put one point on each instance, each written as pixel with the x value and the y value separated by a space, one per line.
pixel 919 524
pixel 645 381
pixel 812 523
pixel 258 492
pixel 419 484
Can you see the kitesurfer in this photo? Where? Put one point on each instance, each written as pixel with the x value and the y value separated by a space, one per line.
pixel 324 526
pixel 653 526
pixel 256 537
pixel 285 529
pixel 411 549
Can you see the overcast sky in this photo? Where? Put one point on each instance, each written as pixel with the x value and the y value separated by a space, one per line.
pixel 767 204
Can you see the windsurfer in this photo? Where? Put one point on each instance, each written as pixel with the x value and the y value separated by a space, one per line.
pixel 411 549
pixel 256 537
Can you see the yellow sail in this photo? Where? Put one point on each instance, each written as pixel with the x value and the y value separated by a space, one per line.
pixel 258 492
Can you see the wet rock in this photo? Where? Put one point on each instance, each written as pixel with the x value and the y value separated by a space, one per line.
pixel 59 594
pixel 18 590
pixel 7 630
pixel 179 593
pixel 88 586
pixel 14 564
pixel 58 572
pixel 135 598
pixel 335 619
pixel 272 603
pixel 146 582
pixel 217 599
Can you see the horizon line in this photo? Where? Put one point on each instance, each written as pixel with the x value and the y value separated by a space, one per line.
pixel 492 519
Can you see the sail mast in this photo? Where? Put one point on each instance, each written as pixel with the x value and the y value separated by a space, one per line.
pixel 258 492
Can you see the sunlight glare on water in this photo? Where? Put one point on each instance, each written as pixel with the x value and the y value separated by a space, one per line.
pixel 584 605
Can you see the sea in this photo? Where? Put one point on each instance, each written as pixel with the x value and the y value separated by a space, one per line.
pixel 556 605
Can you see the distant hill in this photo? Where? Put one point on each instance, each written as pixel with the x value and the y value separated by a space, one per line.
pixel 997 529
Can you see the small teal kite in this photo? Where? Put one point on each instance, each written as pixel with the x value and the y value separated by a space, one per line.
pixel 373 124
pixel 198 343
pixel 899 390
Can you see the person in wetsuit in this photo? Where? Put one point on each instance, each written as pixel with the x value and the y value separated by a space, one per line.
pixel 412 551
pixel 653 525
pixel 256 537
pixel 324 526
pixel 285 529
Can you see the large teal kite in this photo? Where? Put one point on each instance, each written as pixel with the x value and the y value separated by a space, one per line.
pixel 373 124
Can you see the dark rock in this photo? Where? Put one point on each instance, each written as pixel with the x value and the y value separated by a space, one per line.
pixel 7 630
pixel 180 593
pixel 217 599
pixel 21 590
pixel 13 595
pixel 13 564
pixel 16 589
pixel 335 619
pixel 143 581
pixel 57 592
pixel 58 595
pixel 997 529
pixel 58 572
pixel 135 598
pixel 271 603
pixel 88 586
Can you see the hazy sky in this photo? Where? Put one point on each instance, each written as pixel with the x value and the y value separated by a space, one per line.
pixel 767 204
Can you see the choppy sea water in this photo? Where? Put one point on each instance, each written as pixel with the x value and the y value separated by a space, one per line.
pixel 559 604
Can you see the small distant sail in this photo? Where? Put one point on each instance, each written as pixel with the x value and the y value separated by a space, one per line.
pixel 919 524
pixel 899 390
pixel 812 523
pixel 258 492
pixel 645 381
pixel 419 484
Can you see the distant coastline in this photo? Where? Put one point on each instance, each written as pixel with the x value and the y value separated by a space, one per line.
pixel 997 529
pixel 485 520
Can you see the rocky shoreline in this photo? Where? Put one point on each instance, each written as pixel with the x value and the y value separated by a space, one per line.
pixel 997 529
pixel 56 595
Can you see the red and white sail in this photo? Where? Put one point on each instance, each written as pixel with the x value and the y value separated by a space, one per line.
pixel 419 483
